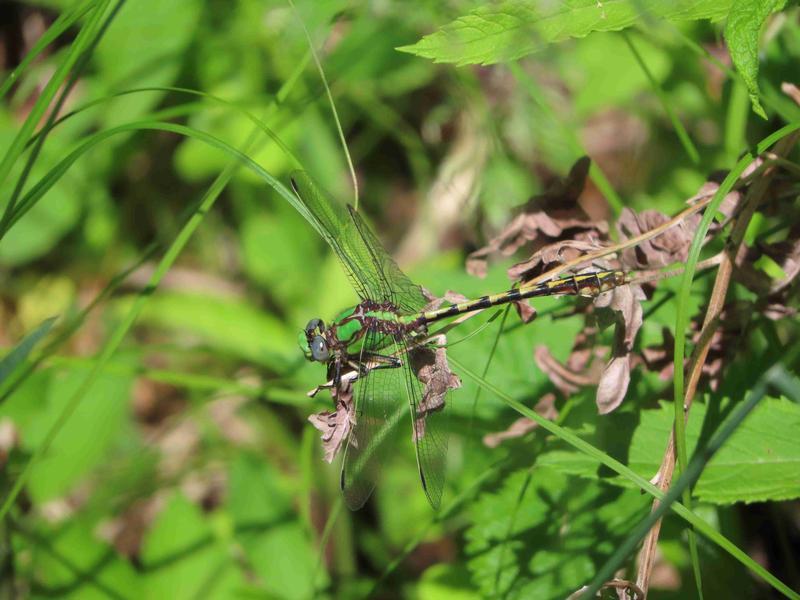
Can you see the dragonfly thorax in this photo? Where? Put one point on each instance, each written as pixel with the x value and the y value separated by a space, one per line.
pixel 345 334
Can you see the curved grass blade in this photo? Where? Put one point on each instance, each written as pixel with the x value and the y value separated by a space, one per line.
pixel 63 22
pixel 21 351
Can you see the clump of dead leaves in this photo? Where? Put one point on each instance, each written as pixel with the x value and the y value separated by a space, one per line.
pixel 553 229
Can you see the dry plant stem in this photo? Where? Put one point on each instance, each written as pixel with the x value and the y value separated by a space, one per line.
pixel 647 235
pixel 650 276
pixel 711 321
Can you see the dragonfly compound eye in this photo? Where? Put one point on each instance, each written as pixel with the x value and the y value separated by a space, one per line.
pixel 319 349
pixel 315 325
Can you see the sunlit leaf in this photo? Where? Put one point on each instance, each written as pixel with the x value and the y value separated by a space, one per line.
pixel 758 463
pixel 742 32
pixel 510 30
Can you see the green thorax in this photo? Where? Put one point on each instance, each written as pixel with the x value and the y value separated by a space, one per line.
pixel 351 325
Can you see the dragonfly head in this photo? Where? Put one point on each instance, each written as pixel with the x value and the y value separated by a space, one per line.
pixel 312 341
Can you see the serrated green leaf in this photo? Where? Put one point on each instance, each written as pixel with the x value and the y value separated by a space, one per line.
pixel 741 34
pixel 760 462
pixel 513 29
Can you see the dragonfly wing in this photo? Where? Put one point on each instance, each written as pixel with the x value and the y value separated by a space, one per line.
pixel 332 222
pixel 378 411
pixel 372 271
pixel 429 414
pixel 405 294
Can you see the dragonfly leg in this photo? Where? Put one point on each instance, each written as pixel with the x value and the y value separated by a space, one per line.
pixel 383 362
pixel 335 372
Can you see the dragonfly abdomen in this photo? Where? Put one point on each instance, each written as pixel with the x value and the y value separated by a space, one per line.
pixel 587 284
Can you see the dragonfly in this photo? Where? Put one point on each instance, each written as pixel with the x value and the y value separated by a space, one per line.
pixel 379 340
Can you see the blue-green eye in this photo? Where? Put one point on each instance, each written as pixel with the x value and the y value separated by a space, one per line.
pixel 315 325
pixel 319 349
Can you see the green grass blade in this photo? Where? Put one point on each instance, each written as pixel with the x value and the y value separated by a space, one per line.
pixel 84 39
pixel 21 351
pixel 64 21
pixel 680 130
pixel 164 265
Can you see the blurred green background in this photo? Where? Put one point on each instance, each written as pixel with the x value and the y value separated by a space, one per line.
pixel 188 469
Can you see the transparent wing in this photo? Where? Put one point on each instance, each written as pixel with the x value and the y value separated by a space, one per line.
pixel 371 270
pixel 378 411
pixel 429 432
pixel 405 294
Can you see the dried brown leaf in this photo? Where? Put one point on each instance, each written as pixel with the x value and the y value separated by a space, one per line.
pixel 525 311
pixel 669 247
pixel 791 90
pixel 626 301
pixel 336 426
pixel 613 384
pixel 566 381
pixel 552 254
pixel 542 220
pixel 433 371
pixel 546 407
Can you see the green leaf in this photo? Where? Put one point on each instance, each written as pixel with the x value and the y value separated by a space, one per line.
pixel 86 438
pixel 758 463
pixel 741 34
pixel 21 351
pixel 516 28
pixel 276 545
pixel 69 561
pixel 182 557
pixel 144 46
pixel 227 325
